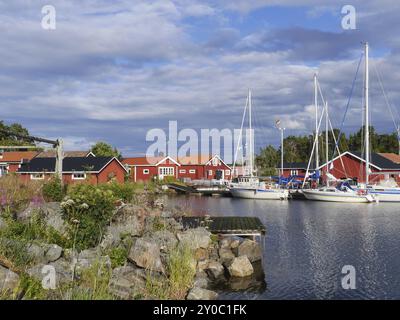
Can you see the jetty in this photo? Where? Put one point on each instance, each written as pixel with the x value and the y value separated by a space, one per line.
pixel 227 226
pixel 201 190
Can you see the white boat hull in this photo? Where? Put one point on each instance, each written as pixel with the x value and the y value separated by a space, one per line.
pixel 386 196
pixel 262 194
pixel 317 195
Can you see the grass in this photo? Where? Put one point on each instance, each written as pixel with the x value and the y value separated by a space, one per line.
pixel 181 272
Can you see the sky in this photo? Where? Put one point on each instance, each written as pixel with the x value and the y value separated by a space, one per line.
pixel 113 70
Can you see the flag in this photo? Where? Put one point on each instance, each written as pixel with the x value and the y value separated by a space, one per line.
pixel 278 123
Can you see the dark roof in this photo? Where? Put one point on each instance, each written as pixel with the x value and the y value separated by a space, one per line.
pixel 295 165
pixel 379 161
pixel 89 164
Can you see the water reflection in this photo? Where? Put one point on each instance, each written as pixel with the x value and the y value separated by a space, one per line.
pixel 308 243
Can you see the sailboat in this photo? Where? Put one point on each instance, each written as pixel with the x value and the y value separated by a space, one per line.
pixel 250 186
pixel 342 192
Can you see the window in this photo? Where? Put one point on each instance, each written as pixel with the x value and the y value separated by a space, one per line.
pixel 227 172
pixel 294 172
pixel 166 171
pixel 182 171
pixel 192 171
pixel 215 162
pixel 78 176
pixel 146 171
pixel 37 176
pixel 210 172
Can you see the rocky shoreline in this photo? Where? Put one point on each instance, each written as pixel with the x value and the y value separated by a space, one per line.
pixel 144 254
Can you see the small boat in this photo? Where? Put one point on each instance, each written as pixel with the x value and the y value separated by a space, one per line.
pixel 341 193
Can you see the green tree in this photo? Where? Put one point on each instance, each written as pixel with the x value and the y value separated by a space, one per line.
pixel 267 161
pixel 103 149
pixel 7 140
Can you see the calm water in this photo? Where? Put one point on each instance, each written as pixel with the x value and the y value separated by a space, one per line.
pixel 307 243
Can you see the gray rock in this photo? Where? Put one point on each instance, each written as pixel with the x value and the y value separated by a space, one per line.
pixel 9 280
pixel 53 253
pixel 36 252
pixel 226 255
pixel 195 238
pixel 200 282
pixel 241 267
pixel 90 257
pixel 127 282
pixel 226 242
pixel 197 293
pixel 64 271
pixel 165 240
pixel 26 214
pixel 235 243
pixel 146 254
pixel 52 214
pixel 215 269
pixel 202 265
pixel 251 249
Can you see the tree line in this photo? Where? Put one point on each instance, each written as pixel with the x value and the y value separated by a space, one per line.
pixel 298 148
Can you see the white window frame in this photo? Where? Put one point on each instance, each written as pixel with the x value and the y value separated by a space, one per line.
pixel 294 172
pixel 74 177
pixel 146 171
pixel 227 172
pixel 34 176
pixel 210 172
pixel 192 171
pixel 182 170
pixel 166 171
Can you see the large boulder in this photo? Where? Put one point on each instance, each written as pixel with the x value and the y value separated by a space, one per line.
pixel 250 249
pixel 215 269
pixel 165 240
pixel 197 293
pixel 9 280
pixel 89 258
pixel 36 252
pixel 52 215
pixel 64 271
pixel 201 280
pixel 241 267
pixel 127 282
pixel 53 252
pixel 146 254
pixel 226 255
pixel 195 238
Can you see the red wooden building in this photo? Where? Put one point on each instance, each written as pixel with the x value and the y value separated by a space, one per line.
pixel 193 168
pixel 352 165
pixel 75 169
pixel 10 161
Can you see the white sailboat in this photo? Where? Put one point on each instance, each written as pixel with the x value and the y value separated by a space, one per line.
pixel 250 187
pixel 343 192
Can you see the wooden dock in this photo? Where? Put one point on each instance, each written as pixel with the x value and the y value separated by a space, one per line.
pixel 227 226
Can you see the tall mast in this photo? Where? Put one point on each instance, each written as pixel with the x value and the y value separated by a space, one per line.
pixel 316 120
pixel 366 115
pixel 251 137
pixel 327 141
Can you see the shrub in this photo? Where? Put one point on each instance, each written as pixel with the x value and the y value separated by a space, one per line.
pixel 16 195
pixel 125 192
pixel 118 256
pixel 53 190
pixel 88 209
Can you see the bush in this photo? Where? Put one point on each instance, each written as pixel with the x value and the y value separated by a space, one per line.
pixel 125 192
pixel 53 190
pixel 16 195
pixel 88 210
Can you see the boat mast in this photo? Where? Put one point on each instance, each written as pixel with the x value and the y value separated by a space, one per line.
pixel 327 142
pixel 366 115
pixel 251 137
pixel 316 120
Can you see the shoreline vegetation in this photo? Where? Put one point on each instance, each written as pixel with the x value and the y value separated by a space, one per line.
pixel 111 241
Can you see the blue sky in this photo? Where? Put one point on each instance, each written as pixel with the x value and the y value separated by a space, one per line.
pixel 112 70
